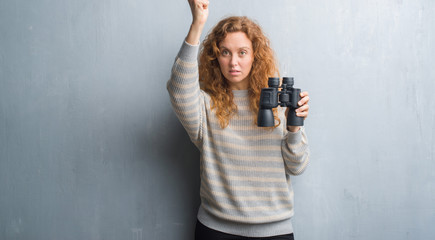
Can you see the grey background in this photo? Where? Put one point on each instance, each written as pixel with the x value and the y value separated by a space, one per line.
pixel 90 147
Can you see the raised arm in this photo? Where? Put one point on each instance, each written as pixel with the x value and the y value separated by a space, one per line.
pixel 183 86
pixel 199 9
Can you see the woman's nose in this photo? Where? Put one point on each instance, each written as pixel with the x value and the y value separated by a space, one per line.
pixel 233 61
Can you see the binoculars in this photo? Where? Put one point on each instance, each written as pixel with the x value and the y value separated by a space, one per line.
pixel 271 97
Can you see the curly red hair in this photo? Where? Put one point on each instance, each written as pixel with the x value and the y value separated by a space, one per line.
pixel 210 75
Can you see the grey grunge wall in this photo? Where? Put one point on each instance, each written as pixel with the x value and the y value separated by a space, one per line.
pixel 90 147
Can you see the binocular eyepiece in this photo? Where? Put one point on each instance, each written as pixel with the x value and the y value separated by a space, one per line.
pixel 271 98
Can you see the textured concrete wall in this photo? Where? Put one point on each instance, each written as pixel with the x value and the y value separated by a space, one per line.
pixel 90 148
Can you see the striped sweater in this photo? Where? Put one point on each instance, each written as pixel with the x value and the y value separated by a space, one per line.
pixel 245 184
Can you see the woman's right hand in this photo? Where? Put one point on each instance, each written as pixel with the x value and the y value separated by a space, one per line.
pixel 199 10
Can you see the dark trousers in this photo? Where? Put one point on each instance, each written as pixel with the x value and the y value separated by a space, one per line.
pixel 204 233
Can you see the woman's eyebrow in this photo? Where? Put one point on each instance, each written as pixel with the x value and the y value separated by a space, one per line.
pixel 246 47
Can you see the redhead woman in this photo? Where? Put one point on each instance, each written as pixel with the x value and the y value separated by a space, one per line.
pixel 245 170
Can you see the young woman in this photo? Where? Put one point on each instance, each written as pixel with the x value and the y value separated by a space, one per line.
pixel 245 170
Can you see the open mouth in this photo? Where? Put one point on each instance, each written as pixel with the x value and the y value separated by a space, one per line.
pixel 234 72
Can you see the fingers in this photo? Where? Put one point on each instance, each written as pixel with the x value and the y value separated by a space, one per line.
pixel 205 4
pixel 201 4
pixel 302 111
pixel 199 9
pixel 304 98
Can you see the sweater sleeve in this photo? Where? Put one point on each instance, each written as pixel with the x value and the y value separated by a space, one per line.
pixel 184 91
pixel 295 152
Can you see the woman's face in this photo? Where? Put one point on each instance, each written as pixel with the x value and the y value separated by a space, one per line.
pixel 235 59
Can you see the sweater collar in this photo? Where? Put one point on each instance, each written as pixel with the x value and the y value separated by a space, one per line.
pixel 240 93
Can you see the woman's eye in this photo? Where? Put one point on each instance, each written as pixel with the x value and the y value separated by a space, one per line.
pixel 225 52
pixel 243 53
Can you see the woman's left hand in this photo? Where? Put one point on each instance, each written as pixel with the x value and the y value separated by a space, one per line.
pixel 301 111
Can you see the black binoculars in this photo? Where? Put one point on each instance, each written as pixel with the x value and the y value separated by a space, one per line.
pixel 271 97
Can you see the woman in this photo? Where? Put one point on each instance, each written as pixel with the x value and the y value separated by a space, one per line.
pixel 245 189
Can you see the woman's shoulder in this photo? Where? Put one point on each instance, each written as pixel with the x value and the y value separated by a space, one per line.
pixel 205 95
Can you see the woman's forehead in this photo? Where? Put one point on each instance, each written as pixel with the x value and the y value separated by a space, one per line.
pixel 236 40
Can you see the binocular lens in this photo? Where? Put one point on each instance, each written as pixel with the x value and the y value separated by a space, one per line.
pixel 273 82
pixel 288 80
pixel 265 118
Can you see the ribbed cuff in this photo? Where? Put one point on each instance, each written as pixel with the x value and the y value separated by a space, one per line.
pixel 295 137
pixel 188 52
